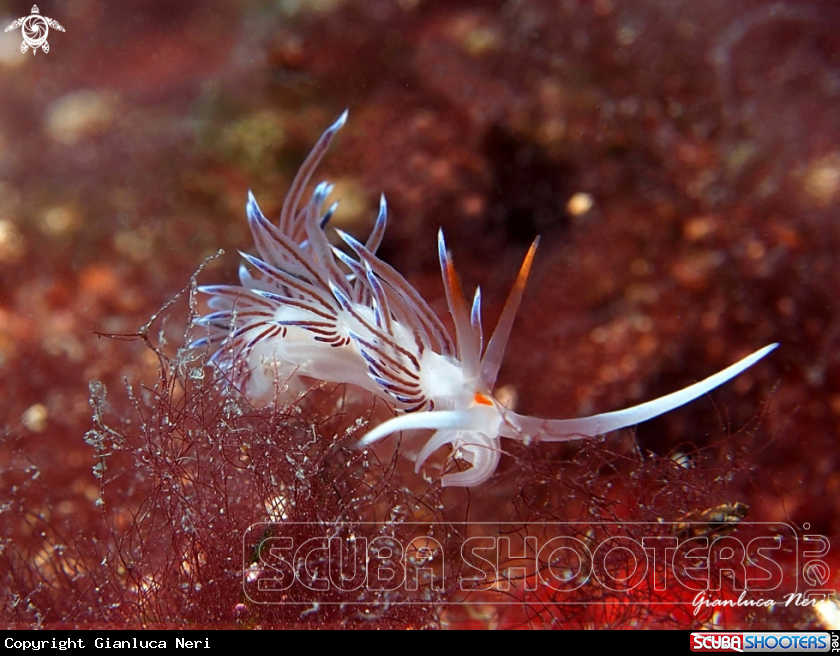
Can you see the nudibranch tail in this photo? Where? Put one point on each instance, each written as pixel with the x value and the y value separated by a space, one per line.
pixel 304 308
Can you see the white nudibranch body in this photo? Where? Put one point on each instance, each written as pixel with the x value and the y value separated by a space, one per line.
pixel 305 309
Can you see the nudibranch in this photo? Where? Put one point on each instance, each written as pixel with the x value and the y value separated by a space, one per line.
pixel 305 309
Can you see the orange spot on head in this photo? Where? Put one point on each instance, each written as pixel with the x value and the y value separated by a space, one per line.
pixel 482 399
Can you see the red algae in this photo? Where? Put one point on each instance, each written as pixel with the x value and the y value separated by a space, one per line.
pixel 126 153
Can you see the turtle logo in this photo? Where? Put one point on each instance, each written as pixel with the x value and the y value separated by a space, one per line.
pixel 34 29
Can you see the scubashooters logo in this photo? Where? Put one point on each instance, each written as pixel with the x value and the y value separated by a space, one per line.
pixel 764 642
pixel 692 566
pixel 35 29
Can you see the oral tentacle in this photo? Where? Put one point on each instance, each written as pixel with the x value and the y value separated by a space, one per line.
pixel 440 419
pixel 560 430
